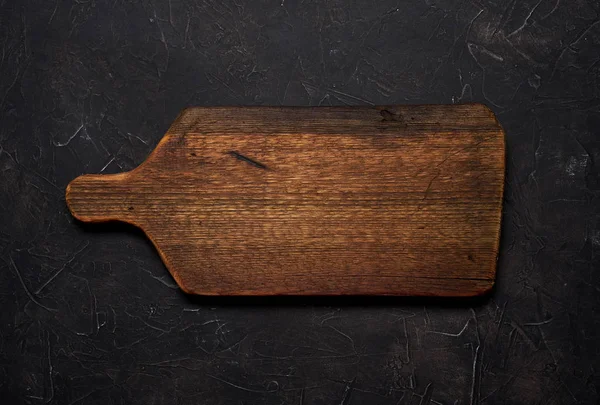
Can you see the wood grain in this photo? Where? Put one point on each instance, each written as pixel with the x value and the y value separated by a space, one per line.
pixel 394 200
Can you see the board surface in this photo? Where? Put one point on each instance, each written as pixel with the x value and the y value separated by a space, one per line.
pixel 394 200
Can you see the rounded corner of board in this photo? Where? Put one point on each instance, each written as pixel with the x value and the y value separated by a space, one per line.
pixel 486 288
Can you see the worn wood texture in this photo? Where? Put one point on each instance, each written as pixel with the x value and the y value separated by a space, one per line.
pixel 395 200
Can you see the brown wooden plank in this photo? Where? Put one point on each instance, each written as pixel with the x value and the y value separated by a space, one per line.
pixel 396 200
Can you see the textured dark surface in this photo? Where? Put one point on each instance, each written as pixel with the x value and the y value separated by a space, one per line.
pixel 91 316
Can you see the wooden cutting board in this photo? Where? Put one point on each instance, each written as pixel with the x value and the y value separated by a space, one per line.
pixel 395 200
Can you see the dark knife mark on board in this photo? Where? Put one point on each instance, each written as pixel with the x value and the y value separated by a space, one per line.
pixel 248 160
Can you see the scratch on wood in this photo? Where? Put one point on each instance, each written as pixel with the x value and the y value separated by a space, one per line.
pixel 388 115
pixel 248 160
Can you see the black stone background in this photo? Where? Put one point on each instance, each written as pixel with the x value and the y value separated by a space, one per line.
pixel 89 315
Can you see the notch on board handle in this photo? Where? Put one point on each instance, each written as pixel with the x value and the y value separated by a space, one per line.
pixel 101 198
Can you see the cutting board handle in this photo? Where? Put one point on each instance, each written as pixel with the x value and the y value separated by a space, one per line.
pixel 101 198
